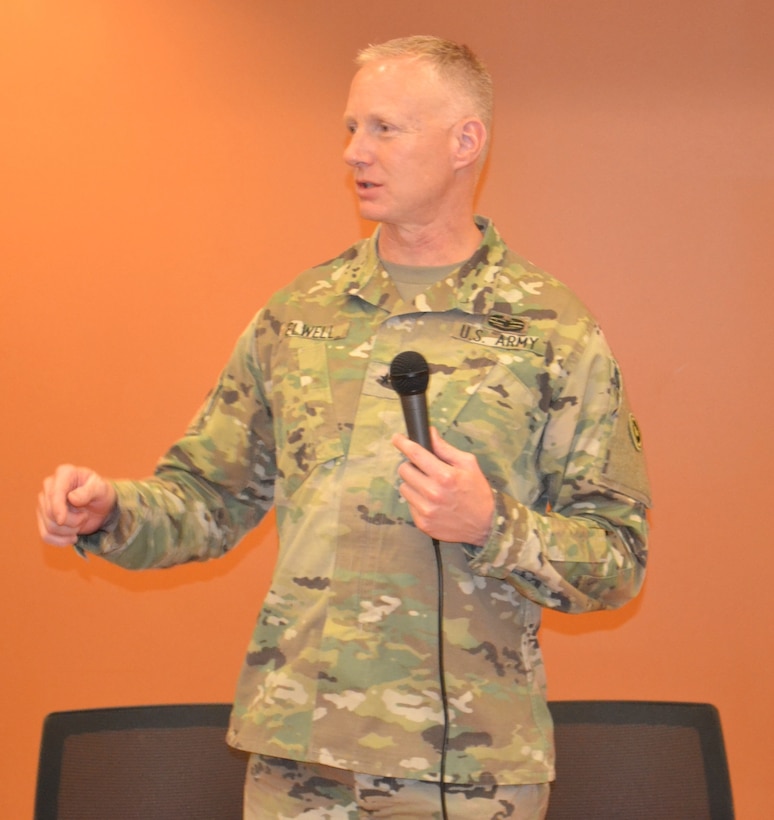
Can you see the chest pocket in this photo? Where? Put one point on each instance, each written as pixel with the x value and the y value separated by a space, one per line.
pixel 306 425
pixel 490 411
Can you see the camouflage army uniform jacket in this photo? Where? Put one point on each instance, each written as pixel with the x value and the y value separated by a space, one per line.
pixel 343 665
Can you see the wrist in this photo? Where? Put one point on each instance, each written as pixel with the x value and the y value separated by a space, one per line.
pixel 111 521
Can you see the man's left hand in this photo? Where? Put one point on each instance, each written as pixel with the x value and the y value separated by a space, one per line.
pixel 448 495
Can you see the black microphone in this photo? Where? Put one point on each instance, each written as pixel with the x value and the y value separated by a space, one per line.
pixel 409 376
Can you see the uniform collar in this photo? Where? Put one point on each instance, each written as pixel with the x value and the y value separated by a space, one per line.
pixel 471 288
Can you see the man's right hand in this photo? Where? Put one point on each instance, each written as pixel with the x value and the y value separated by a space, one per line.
pixel 74 501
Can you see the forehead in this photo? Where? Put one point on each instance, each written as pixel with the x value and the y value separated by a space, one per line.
pixel 400 85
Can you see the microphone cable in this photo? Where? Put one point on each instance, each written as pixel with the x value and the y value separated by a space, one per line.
pixel 442 677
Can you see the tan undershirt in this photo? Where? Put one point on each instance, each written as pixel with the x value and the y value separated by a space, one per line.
pixel 411 280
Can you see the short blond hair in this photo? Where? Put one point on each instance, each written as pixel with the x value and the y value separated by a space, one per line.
pixel 455 63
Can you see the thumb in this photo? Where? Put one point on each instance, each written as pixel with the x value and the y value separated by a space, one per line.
pixel 443 450
pixel 83 495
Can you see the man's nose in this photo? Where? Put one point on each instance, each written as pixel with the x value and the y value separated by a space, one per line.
pixel 356 151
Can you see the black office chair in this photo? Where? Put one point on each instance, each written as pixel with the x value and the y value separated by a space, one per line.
pixel 639 760
pixel 139 763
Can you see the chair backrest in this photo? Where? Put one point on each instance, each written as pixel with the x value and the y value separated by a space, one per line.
pixel 139 762
pixel 634 760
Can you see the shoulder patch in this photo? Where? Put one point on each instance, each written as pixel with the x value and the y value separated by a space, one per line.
pixel 635 433
pixel 625 470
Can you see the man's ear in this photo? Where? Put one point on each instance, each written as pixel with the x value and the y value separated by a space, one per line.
pixel 470 140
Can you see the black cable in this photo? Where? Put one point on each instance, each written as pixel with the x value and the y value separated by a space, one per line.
pixel 442 677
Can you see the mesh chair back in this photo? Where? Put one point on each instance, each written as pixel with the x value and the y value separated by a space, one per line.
pixel 139 763
pixel 639 760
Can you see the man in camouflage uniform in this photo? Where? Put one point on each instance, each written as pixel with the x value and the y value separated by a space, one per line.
pixel 352 699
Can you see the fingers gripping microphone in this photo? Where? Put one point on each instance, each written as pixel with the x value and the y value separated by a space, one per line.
pixel 409 377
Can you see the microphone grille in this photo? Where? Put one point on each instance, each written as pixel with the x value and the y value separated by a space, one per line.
pixel 409 373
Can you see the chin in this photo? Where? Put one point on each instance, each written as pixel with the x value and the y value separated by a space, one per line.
pixel 371 213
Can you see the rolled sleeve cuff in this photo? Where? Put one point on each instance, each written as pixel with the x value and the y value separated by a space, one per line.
pixel 495 557
pixel 116 532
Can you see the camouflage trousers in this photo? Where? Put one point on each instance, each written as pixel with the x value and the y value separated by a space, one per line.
pixel 277 789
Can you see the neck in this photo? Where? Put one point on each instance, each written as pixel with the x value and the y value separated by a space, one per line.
pixel 429 246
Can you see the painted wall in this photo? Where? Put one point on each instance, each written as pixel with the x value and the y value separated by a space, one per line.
pixel 164 166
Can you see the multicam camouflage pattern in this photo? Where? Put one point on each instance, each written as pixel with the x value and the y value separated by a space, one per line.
pixel 342 669
pixel 287 789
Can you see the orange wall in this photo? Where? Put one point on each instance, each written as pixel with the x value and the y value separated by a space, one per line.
pixel 165 165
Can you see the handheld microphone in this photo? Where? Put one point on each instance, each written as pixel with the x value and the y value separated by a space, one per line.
pixel 409 377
